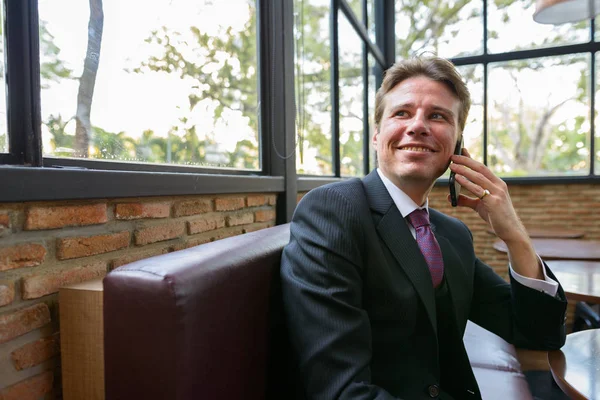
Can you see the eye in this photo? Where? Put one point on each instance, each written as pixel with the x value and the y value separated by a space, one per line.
pixel 437 116
pixel 401 113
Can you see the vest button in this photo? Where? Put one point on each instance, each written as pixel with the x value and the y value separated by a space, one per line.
pixel 433 390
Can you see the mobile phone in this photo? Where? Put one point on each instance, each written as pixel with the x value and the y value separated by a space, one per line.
pixel 452 183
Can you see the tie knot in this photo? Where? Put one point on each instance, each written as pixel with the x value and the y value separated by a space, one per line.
pixel 418 218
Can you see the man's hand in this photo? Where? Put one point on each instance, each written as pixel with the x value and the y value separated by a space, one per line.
pixel 493 204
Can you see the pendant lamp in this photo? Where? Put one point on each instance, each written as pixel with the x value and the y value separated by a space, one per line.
pixel 558 12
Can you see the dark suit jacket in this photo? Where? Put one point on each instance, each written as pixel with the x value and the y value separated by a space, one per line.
pixel 360 303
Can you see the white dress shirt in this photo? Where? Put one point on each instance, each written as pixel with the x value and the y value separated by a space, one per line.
pixel 406 205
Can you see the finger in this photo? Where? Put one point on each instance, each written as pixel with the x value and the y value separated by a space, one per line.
pixel 466 201
pixel 474 187
pixel 474 180
pixel 474 165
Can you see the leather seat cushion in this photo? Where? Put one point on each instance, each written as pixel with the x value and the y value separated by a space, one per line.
pixel 487 350
pixel 502 385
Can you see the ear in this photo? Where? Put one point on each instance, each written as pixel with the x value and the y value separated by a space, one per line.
pixel 375 135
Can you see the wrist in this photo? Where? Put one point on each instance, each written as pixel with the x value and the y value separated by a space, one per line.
pixel 517 237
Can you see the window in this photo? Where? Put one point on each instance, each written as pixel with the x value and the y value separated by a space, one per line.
pixel 371 91
pixel 314 154
pixel 351 99
pixel 335 96
pixel 473 133
pixel 3 122
pixel 530 83
pixel 162 82
pixel 445 28
pixel 204 87
pixel 536 128
pixel 596 157
pixel 511 27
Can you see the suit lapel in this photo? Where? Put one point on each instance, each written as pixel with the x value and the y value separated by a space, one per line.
pixel 395 234
pixel 455 271
pixel 455 279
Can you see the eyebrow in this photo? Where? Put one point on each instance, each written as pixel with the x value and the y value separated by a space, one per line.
pixel 435 108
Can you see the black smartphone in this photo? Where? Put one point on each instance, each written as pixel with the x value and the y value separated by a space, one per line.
pixel 455 186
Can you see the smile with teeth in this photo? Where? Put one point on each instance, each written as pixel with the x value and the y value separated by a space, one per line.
pixel 423 149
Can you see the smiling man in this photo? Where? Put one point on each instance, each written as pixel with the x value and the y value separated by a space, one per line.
pixel 378 287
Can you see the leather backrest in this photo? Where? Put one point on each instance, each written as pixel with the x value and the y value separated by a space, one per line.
pixel 201 323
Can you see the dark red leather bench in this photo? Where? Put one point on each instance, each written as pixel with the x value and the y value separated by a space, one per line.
pixel 206 323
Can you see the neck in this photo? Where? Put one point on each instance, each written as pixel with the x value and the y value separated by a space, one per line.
pixel 417 189
pixel 417 193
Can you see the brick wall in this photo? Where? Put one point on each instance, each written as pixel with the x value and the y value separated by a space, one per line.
pixel 44 246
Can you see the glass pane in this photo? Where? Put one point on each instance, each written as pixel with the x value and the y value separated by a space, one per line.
pixel 357 7
pixel 352 89
pixel 371 91
pixel 473 133
pixel 313 87
pixel 371 19
pixel 536 128
pixel 597 121
pixel 165 81
pixel 3 123
pixel 511 27
pixel 446 28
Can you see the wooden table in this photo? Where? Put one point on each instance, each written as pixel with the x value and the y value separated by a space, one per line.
pixel 550 233
pixel 561 249
pixel 576 367
pixel 579 279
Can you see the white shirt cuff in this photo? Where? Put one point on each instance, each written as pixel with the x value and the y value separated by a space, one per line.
pixel 548 285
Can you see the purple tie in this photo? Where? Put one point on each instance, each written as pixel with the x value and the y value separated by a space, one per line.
pixel 429 246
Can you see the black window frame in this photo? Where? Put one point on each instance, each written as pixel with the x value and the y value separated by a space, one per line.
pixel 590 47
pixel 386 41
pixel 26 176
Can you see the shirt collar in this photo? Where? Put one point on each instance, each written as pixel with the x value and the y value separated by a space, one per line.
pixel 403 202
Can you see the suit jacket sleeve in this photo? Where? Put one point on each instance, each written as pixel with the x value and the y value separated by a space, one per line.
pixel 321 273
pixel 519 314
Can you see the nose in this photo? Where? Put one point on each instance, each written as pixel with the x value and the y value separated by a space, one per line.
pixel 419 125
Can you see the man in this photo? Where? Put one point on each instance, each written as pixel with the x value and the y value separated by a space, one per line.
pixel 377 299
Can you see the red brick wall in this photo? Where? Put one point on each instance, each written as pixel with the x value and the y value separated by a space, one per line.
pixel 46 245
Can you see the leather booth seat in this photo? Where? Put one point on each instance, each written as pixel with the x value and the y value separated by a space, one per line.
pixel 495 365
pixel 206 322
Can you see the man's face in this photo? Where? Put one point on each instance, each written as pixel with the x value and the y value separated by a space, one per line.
pixel 418 131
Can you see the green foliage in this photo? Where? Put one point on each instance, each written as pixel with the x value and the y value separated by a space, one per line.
pixel 224 70
pixel 313 84
pixel 52 68
pixel 427 21
pixel 244 155
pixel 3 143
pixel 62 143
pixel 569 149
